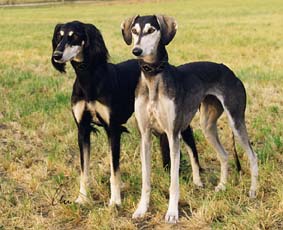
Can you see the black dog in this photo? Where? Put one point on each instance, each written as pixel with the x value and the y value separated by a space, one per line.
pixel 103 95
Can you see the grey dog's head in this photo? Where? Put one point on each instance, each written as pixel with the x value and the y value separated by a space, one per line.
pixel 148 32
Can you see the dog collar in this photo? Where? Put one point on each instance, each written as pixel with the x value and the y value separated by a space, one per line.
pixel 152 68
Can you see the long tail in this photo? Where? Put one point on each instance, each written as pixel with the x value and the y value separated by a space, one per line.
pixel 165 151
pixel 235 154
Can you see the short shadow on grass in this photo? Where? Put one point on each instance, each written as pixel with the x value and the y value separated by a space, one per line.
pixel 143 223
pixel 185 210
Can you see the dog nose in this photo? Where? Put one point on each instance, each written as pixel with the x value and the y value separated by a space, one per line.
pixel 57 55
pixel 137 51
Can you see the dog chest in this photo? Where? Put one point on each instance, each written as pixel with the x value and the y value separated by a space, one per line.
pixel 153 103
pixel 96 109
pixel 161 114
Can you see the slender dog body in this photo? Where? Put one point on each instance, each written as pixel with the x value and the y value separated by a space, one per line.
pixel 167 98
pixel 103 95
pixel 102 102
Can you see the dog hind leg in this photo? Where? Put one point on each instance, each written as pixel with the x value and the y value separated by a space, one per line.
pixel 210 110
pixel 237 122
pixel 190 145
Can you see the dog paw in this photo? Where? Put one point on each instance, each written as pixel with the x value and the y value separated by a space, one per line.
pixel 114 202
pixel 198 183
pixel 140 212
pixel 82 199
pixel 220 187
pixel 252 194
pixel 171 217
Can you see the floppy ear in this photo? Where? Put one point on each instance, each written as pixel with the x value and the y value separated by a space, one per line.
pixel 59 66
pixel 94 49
pixel 126 29
pixel 168 27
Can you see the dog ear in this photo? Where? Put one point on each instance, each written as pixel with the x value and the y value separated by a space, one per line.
pixel 126 27
pixel 94 49
pixel 55 41
pixel 168 27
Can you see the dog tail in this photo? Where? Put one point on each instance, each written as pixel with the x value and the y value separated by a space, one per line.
pixel 93 129
pixel 235 154
pixel 123 129
pixel 165 151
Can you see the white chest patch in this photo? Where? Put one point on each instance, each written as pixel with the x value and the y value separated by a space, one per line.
pixel 161 114
pixel 95 108
pixel 159 109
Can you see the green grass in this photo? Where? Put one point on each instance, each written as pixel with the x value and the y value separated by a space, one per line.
pixel 38 136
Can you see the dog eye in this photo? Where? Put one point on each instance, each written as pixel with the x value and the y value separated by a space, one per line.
pixel 59 36
pixel 150 30
pixel 134 31
pixel 75 36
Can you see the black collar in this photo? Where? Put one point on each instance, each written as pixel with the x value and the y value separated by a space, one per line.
pixel 151 69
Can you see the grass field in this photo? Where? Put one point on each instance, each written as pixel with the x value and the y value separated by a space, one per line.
pixel 39 156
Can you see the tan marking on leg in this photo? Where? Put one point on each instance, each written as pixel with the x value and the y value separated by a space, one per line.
pixel 115 185
pixel 83 197
pixel 78 110
pixel 210 111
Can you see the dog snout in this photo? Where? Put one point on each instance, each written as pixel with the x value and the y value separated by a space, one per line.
pixel 57 55
pixel 137 51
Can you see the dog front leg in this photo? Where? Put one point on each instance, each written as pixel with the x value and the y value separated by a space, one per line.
pixel 84 145
pixel 114 136
pixel 146 168
pixel 172 213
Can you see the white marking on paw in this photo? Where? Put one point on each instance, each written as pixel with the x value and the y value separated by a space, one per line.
pixel 220 187
pixel 171 217
pixel 114 202
pixel 82 199
pixel 140 211
pixel 115 185
pixel 252 194
pixel 198 183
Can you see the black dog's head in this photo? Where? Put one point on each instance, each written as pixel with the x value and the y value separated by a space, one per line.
pixel 148 32
pixel 78 42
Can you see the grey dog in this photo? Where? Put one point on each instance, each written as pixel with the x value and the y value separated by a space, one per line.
pixel 167 98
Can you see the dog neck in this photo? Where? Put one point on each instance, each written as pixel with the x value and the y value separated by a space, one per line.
pixel 89 78
pixel 153 68
pixel 79 66
pixel 151 72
